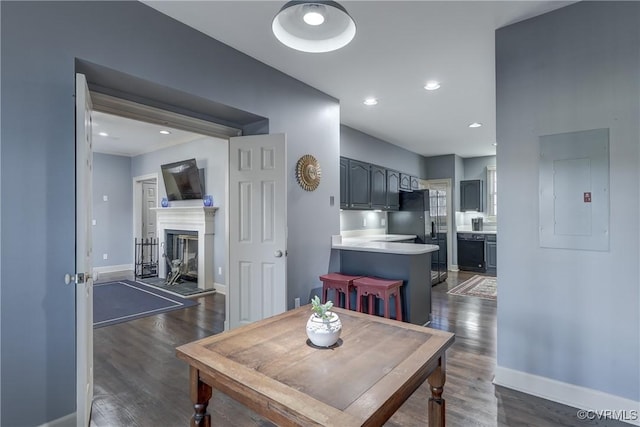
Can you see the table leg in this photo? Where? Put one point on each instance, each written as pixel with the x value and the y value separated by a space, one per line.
pixel 436 402
pixel 200 395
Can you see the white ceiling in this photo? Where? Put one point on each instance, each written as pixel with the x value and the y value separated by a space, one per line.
pixel 399 45
pixel 127 137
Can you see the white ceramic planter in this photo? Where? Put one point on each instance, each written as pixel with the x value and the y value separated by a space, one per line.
pixel 324 332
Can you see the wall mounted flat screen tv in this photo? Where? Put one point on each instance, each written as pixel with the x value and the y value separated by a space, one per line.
pixel 182 180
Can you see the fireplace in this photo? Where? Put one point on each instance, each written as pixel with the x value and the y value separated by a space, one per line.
pixel 186 233
pixel 182 246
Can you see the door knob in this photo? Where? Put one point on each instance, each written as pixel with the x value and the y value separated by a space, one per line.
pixel 77 278
pixel 277 254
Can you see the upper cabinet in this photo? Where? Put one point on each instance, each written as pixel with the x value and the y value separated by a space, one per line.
pixel 344 187
pixel 359 183
pixel 405 182
pixel 367 186
pixel 415 183
pixel 393 190
pixel 378 187
pixel 471 195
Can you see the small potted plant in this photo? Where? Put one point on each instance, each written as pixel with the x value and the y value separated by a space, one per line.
pixel 324 326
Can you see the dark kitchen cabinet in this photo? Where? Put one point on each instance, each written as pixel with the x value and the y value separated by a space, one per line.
pixel 378 187
pixel 367 186
pixel 491 254
pixel 415 183
pixel 405 182
pixel 344 183
pixel 359 183
pixel 393 190
pixel 471 195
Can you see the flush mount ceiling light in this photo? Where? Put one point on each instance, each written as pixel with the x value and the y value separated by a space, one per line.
pixel 103 134
pixel 475 125
pixel 370 101
pixel 432 85
pixel 165 132
pixel 313 26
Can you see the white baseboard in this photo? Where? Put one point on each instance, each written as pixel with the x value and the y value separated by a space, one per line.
pixel 112 269
pixel 568 394
pixel 66 421
pixel 222 289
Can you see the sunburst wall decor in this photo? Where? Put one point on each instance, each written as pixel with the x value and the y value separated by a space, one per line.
pixel 308 172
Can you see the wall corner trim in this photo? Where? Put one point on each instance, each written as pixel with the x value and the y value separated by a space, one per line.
pixel 565 393
pixel 221 289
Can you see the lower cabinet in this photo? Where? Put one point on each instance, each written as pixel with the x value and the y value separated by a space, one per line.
pixel 491 254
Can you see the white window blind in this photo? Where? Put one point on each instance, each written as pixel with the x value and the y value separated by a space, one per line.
pixel 492 192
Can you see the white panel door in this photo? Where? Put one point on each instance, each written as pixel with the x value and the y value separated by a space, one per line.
pixel 149 201
pixel 84 288
pixel 257 284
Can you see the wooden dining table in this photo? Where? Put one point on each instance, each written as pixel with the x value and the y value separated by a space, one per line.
pixel 271 367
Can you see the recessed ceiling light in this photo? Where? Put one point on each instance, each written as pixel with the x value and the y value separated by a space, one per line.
pixel 432 85
pixel 495 144
pixel 103 134
pixel 370 101
pixel 475 125
pixel 313 14
pixel 165 132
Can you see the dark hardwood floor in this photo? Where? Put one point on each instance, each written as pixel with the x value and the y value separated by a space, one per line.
pixel 140 382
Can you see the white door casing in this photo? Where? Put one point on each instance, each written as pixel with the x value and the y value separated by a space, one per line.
pixel 84 288
pixel 257 284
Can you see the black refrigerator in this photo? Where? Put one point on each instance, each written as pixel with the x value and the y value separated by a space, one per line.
pixel 422 213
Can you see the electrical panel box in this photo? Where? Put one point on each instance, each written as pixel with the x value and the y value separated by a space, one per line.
pixel 574 190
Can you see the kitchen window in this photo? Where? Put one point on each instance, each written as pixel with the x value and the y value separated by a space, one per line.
pixel 492 192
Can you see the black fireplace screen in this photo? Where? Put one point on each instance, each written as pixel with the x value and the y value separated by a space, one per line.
pixel 182 250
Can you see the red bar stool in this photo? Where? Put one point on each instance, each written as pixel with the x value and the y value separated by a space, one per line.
pixel 340 283
pixel 374 287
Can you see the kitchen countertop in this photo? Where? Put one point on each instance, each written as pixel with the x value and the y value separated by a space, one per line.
pixel 465 230
pixel 379 238
pixel 385 243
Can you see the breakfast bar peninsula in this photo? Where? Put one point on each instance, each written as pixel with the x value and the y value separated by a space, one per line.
pixel 387 258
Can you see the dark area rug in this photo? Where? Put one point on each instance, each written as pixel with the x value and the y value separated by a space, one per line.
pixel 125 300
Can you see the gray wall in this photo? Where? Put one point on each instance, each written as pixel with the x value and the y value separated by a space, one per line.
pixel 40 43
pixel 570 315
pixel 476 167
pixel 114 227
pixel 440 167
pixel 459 176
pixel 361 146
pixel 211 154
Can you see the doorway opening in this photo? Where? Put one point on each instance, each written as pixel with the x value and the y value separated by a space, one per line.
pixel 444 212
pixel 126 110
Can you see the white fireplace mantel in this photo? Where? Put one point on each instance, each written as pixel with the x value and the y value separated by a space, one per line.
pixel 189 218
